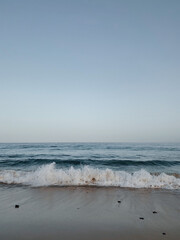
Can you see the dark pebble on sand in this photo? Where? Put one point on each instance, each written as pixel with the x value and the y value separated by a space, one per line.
pixel 119 201
pixel 16 206
pixel 154 212
pixel 141 218
pixel 163 233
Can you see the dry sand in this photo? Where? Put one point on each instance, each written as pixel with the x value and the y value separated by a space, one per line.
pixel 88 213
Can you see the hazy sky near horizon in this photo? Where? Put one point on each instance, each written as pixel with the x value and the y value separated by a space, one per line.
pixel 99 70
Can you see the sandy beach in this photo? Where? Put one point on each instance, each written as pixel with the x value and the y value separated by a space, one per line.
pixel 90 120
pixel 88 213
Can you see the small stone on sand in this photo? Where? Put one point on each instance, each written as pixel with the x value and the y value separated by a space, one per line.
pixel 163 233
pixel 154 212
pixel 141 218
pixel 16 206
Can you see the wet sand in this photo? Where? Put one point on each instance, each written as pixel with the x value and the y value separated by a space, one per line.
pixel 88 213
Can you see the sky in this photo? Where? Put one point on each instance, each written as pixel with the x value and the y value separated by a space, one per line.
pixel 90 71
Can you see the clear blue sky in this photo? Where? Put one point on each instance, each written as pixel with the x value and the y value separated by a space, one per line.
pixel 97 70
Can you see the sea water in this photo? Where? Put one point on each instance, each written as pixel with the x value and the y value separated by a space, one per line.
pixel 133 165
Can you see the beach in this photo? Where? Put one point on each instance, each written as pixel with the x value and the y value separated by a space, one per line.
pixel 89 191
pixel 88 213
pixel 90 120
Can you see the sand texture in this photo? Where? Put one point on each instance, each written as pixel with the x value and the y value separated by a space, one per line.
pixel 88 213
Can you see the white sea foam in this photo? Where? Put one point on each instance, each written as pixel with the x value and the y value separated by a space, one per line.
pixel 49 175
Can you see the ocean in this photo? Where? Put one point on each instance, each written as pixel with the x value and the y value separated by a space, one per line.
pixel 123 165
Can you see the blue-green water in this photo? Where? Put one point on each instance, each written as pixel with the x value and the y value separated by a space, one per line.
pixel 111 164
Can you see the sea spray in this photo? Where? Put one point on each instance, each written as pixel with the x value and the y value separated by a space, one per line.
pixel 49 175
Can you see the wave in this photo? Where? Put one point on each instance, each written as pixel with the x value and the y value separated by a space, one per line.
pixel 49 175
pixel 76 162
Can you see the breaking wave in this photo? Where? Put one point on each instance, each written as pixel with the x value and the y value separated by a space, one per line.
pixel 49 175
